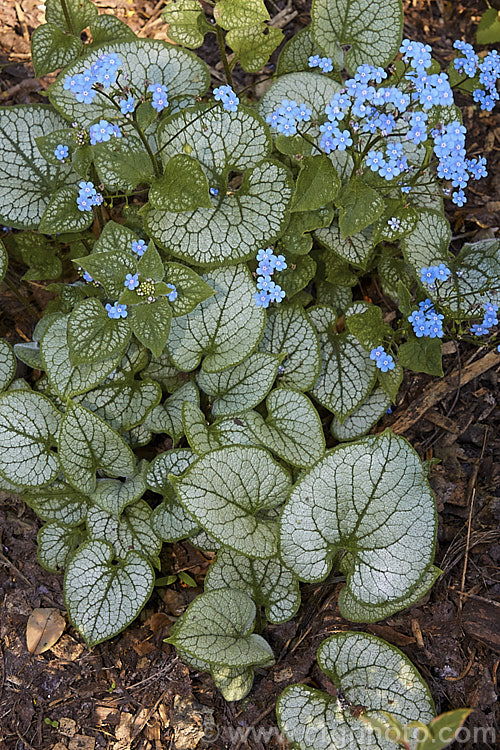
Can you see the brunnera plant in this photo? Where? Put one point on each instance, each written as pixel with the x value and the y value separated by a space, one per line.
pixel 218 243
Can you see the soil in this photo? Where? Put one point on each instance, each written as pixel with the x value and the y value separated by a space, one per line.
pixel 133 691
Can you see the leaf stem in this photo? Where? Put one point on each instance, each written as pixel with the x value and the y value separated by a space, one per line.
pixel 222 50
pixel 67 18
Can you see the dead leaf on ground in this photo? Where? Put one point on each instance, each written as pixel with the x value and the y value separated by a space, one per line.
pixel 44 628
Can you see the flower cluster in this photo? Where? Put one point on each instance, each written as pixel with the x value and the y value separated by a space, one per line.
pixel 227 96
pixel 490 319
pixel 139 247
pixel 61 152
pixel 426 321
pixel 288 115
pixel 449 147
pixel 430 274
pixel 268 290
pixel 116 311
pixel 102 72
pixel 487 70
pixel 383 360
pixel 88 196
pixel 325 64
pixel 102 132
pixel 160 96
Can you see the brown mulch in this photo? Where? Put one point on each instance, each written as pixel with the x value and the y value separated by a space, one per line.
pixel 133 692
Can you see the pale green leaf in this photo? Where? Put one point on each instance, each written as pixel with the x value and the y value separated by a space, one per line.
pixel 56 544
pixel 132 530
pixel 241 220
pixel 190 287
pixel 106 28
pixel 67 380
pixel 185 75
pixel 197 432
pixel 347 372
pixel 371 499
pixel 52 49
pixel 428 244
pixel 217 628
pixel 289 332
pixel 167 417
pixel 356 249
pixel 7 364
pixel 93 336
pixel 170 520
pixel 364 418
pixel 267 582
pixel 234 683
pixel 241 387
pixel 367 672
pixel 294 56
pixel 185 22
pixel 371 30
pixel 86 444
pixel 102 598
pixel 80 14
pixel 164 372
pixel 488 28
pixel 28 428
pixel 4 261
pixel 225 328
pixel 474 280
pixel 58 502
pixel 113 496
pixel 123 404
pixel 232 14
pixel 27 181
pixel 231 493
pixel 253 45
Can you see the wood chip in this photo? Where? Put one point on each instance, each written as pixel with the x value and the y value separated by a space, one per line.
pixel 480 620
pixel 44 628
pixel 81 742
pixel 67 649
pixel 67 726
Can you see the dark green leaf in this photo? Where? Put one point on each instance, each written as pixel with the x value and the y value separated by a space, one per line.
pixel 317 184
pixel 488 29
pixel 368 326
pixel 109 269
pixel 106 28
pixel 360 205
pixel 52 49
pixel 151 265
pixel 182 187
pixel 63 215
pixel 422 355
pixel 93 336
pixel 186 22
pixel 151 324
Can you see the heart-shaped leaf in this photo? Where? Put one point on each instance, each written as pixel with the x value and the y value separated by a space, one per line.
pixel 102 598
pixel 143 59
pixel 93 336
pixel 132 531
pixel 52 49
pixel 29 424
pixel 475 272
pixel 113 496
pixel 356 249
pixel 427 245
pixel 231 493
pixel 56 544
pixel 366 415
pixel 72 16
pixel 68 380
pixel 170 520
pixel 7 364
pixel 86 443
pixel 347 372
pixel 242 219
pixel 267 582
pixel 167 417
pixel 371 30
pixel 371 499
pixel 217 628
pixel 183 186
pixel 225 327
pixel 186 22
pixel 58 502
pixel 27 181
pixel 151 324
pixel 289 332
pixel 191 289
pixel 242 387
pixel 368 674
pixel 123 404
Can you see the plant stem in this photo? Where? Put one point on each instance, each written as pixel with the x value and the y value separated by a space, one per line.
pixel 222 50
pixel 67 18
pixel 22 300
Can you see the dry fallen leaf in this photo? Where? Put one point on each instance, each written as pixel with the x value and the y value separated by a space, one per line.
pixel 44 628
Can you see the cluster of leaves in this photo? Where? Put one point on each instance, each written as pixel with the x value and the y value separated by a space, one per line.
pixel 243 393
